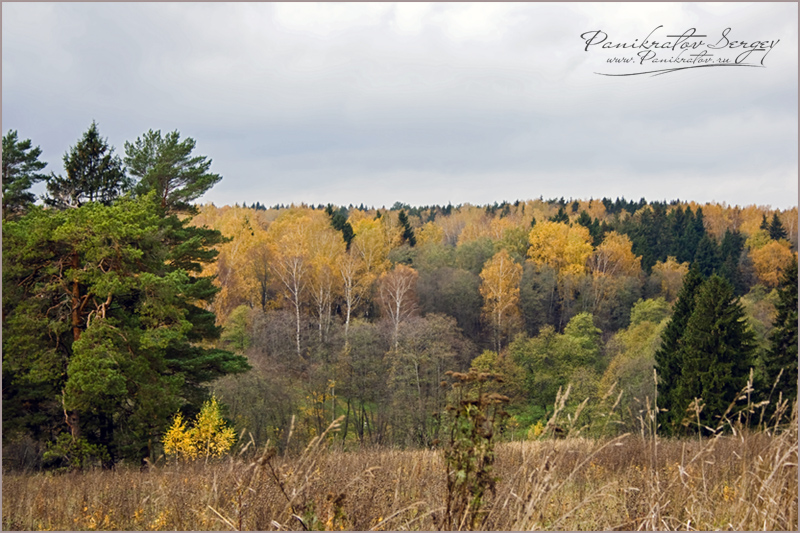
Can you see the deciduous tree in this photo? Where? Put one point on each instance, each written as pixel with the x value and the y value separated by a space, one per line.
pixel 500 290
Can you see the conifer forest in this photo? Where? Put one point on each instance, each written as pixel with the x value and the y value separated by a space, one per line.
pixel 559 363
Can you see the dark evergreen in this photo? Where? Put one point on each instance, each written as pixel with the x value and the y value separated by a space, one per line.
pixel 669 356
pixel 716 354
pixel 408 231
pixel 165 165
pixel 776 230
pixel 21 168
pixel 340 223
pixel 707 256
pixel 94 174
pixel 731 250
pixel 561 216
pixel 783 350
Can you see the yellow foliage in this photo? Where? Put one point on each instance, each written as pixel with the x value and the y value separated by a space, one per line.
pixel 771 260
pixel 562 247
pixel 430 233
pixel 501 277
pixel 209 437
pixel 614 257
pixel 670 273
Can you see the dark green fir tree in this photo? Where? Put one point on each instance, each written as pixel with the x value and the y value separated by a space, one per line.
pixel 717 352
pixel 669 356
pixel 782 355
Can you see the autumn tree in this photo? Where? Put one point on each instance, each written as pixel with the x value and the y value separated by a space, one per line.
pixel 612 260
pixel 669 276
pixel 291 263
pixel 327 250
pixel 565 249
pixel 21 168
pixel 398 296
pixel 500 290
pixel 771 260
pixel 355 283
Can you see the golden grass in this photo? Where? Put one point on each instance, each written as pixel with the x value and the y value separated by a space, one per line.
pixel 746 481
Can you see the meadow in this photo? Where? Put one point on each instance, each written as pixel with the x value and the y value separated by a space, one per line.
pixel 738 480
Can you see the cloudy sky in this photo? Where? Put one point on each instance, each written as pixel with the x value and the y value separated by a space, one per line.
pixel 421 103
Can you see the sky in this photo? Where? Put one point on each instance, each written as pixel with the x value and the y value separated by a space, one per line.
pixel 423 103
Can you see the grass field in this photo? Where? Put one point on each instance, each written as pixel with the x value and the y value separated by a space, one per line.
pixel 739 481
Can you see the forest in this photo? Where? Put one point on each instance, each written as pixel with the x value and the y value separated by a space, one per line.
pixel 124 303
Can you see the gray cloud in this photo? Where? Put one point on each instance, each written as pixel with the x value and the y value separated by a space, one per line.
pixel 433 103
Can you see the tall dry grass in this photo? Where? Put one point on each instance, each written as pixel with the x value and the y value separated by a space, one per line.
pixel 740 480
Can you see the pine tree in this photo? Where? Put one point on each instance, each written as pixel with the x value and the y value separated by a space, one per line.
pixel 717 350
pixel 782 354
pixel 21 168
pixel 165 165
pixel 668 357
pixel 105 320
pixel 94 174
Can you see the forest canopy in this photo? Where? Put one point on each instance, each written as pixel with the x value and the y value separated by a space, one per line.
pixel 124 302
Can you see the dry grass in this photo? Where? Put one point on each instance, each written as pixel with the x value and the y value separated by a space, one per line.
pixel 746 481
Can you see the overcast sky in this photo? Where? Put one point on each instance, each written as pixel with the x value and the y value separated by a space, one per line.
pixel 419 103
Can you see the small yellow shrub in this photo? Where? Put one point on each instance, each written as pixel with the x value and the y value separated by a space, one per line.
pixel 210 436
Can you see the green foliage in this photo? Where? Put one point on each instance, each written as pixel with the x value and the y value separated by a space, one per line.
pixel 408 231
pixel 654 310
pixel 21 168
pixel 669 357
pixel 235 335
pixel 474 420
pixel 104 307
pixel 94 174
pixel 716 352
pixel 782 355
pixel 340 223
pixel 66 453
pixel 165 165
pixel 776 229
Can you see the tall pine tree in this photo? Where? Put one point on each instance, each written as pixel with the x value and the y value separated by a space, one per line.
pixel 165 165
pixel 21 168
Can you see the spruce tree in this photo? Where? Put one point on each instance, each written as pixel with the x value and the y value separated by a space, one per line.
pixel 408 231
pixel 21 168
pixel 668 357
pixel 716 352
pixel 707 256
pixel 782 354
pixel 730 253
pixel 776 230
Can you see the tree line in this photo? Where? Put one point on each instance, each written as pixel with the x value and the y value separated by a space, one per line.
pixel 125 302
